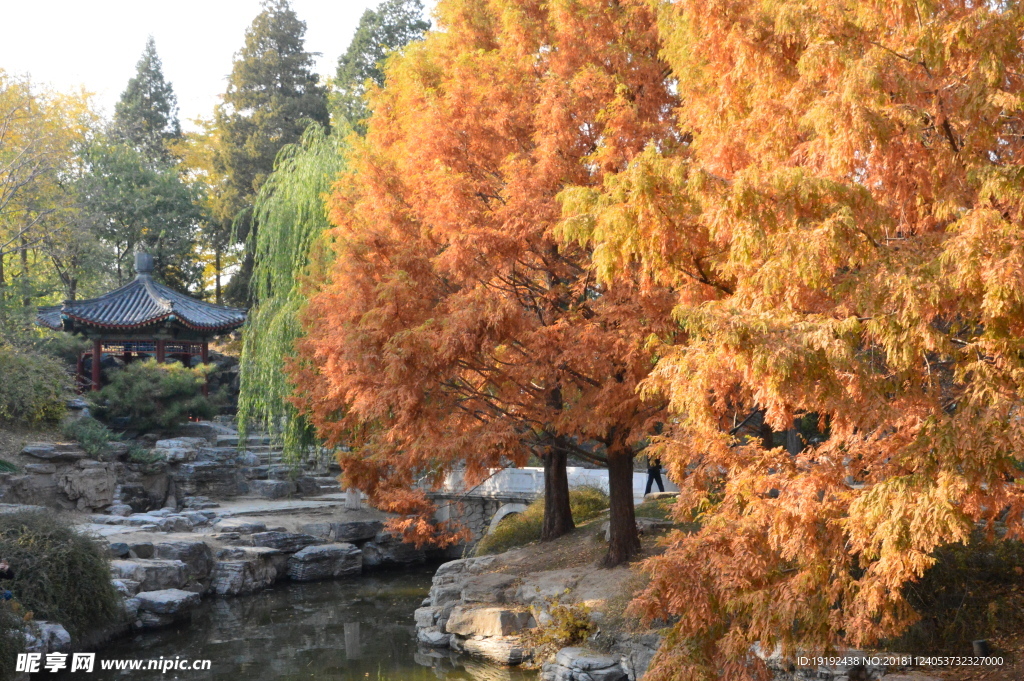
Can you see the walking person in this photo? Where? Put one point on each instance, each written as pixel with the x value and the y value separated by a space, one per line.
pixel 654 475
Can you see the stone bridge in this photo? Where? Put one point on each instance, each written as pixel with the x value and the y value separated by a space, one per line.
pixel 511 490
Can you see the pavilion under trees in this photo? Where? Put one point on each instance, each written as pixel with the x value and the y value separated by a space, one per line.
pixel 141 319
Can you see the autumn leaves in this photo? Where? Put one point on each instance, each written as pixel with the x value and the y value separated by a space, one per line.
pixel 583 227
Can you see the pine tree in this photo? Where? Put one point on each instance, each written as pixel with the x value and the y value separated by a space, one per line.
pixel 272 95
pixel 390 27
pixel 146 117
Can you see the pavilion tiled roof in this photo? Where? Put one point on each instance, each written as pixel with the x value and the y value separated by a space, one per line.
pixel 140 303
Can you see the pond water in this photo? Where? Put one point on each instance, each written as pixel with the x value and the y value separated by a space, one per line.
pixel 357 630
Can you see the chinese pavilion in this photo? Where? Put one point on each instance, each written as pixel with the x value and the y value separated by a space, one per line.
pixel 141 319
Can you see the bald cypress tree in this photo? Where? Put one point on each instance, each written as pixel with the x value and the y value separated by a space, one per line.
pixel 392 26
pixel 146 117
pixel 272 96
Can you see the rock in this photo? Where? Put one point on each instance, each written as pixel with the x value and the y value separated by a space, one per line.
pixel 152 575
pixel 196 556
pixel 272 489
pixel 54 451
pixel 307 486
pixel 352 531
pixel 142 549
pixel 118 550
pixel 165 607
pixel 388 550
pixel 199 503
pixel 35 488
pixel 289 542
pixel 537 588
pixel 46 637
pixel 434 637
pixel 40 468
pixel 426 617
pixel 167 601
pixel 91 488
pixel 445 593
pixel 502 651
pixel 579 664
pixel 655 496
pixel 247 570
pixel 240 526
pixel 196 518
pixel 487 588
pixel 325 561
pixel 208 478
pixel 488 621
pixel 127 587
pixel 180 449
pixel 120 510
pixel 583 659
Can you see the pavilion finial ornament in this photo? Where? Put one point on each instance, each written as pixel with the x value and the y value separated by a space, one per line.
pixel 143 263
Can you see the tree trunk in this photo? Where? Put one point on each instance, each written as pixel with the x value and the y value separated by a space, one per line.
pixel 216 278
pixel 624 542
pixel 557 513
pixel 23 253
pixel 793 443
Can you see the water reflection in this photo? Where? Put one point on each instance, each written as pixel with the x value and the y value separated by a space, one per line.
pixel 358 630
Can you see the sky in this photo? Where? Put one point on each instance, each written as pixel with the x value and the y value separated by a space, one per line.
pixel 97 43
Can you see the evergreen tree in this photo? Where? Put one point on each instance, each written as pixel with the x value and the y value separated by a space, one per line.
pixel 146 117
pixel 390 27
pixel 272 95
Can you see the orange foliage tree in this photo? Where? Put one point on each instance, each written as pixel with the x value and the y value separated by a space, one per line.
pixel 853 173
pixel 452 328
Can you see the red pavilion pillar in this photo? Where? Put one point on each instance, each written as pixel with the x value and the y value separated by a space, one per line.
pixel 160 351
pixel 205 354
pixel 97 355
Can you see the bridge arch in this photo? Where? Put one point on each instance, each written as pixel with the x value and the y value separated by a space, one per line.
pixel 504 510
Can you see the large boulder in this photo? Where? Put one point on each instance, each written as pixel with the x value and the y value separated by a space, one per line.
pixel 324 562
pixel 580 664
pixel 46 637
pixel 208 478
pixel 180 449
pixel 289 542
pixel 351 531
pixel 245 570
pixel 54 451
pixel 164 607
pixel 240 526
pixel 272 489
pixel 151 574
pixel 388 550
pixel 90 488
pixel 491 587
pixel 503 651
pixel 487 621
pixel 196 556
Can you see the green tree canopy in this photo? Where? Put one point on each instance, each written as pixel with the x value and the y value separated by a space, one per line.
pixel 392 26
pixel 272 95
pixel 146 117
pixel 292 216
pixel 133 204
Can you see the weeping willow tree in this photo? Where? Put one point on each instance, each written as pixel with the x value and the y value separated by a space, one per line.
pixel 291 215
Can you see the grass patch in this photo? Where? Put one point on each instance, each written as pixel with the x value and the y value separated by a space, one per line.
pixel 520 529
pixel 95 439
pixel 659 509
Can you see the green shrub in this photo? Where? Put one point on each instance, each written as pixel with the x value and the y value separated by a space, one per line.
pixel 519 529
pixel 570 625
pixel 147 395
pixel 972 592
pixel 65 347
pixel 59 575
pixel 91 434
pixel 34 388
